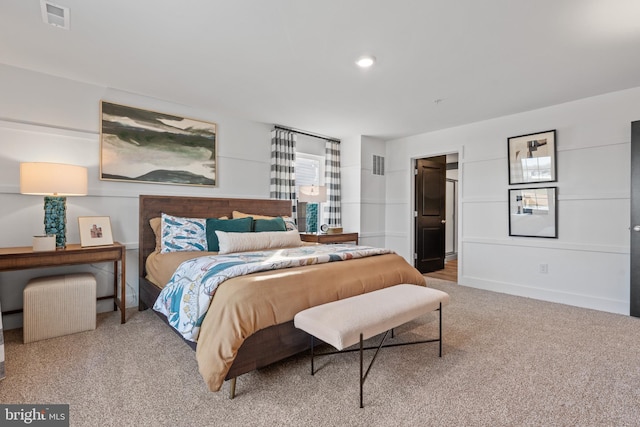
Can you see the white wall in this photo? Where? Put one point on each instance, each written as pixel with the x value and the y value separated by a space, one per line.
pixel 372 194
pixel 588 265
pixel 310 145
pixel 363 193
pixel 350 182
pixel 46 118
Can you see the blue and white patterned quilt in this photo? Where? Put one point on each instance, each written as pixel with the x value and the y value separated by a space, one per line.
pixel 186 298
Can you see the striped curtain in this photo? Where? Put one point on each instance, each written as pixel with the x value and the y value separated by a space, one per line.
pixel 283 177
pixel 332 209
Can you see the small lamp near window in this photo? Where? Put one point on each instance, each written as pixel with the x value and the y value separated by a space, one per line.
pixel 54 181
pixel 312 195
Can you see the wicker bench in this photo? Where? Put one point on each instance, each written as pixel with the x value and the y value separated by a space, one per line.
pixel 350 321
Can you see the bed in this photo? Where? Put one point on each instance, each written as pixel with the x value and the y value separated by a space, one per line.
pixel 280 339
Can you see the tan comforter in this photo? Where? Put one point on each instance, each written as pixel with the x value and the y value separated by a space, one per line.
pixel 244 305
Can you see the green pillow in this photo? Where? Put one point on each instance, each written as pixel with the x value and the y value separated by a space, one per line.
pixel 275 224
pixel 240 225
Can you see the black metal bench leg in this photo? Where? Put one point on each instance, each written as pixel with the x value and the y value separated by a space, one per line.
pixel 361 373
pixel 440 332
pixel 312 370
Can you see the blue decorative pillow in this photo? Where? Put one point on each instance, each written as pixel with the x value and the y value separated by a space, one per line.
pixel 183 234
pixel 275 224
pixel 240 225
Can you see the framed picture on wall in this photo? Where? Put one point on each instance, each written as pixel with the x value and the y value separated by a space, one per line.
pixel 533 212
pixel 146 146
pixel 95 231
pixel 532 158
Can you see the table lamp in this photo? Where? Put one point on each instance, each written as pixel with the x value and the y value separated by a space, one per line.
pixel 312 195
pixel 55 181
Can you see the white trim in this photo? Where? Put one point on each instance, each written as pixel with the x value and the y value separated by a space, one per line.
pixel 134 194
pixel 561 197
pixel 396 234
pixel 45 128
pixel 372 202
pixel 365 235
pixel 397 202
pixel 547 244
pixel 549 295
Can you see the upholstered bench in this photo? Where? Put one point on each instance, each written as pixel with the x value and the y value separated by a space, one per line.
pixel 350 321
pixel 59 305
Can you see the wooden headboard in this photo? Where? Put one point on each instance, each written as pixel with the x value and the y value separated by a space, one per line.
pixel 197 207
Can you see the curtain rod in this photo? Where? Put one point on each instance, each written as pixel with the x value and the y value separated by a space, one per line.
pixel 299 132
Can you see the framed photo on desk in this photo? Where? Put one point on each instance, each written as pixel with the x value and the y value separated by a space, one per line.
pixel 95 231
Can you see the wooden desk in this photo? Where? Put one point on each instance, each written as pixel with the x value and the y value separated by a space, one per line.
pixel 23 258
pixel 329 238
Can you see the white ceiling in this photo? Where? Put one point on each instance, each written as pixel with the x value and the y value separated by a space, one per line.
pixel 291 62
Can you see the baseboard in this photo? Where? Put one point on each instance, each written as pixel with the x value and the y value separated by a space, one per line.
pixel 576 300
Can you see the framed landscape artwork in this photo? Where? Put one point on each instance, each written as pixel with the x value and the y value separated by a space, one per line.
pixel 533 212
pixel 532 158
pixel 146 146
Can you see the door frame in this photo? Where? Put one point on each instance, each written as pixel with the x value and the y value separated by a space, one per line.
pixel 634 264
pixel 412 205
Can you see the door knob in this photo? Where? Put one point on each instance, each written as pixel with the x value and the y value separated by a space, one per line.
pixel 636 228
pixel 444 221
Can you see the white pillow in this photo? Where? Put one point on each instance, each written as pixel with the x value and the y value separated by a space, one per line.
pixel 242 242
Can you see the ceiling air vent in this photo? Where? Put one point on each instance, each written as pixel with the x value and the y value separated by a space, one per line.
pixel 378 165
pixel 55 15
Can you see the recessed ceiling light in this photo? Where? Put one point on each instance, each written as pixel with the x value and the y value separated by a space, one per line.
pixel 366 61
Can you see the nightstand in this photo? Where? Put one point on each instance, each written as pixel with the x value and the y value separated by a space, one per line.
pixel 329 238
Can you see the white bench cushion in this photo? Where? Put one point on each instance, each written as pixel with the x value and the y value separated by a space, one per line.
pixel 340 323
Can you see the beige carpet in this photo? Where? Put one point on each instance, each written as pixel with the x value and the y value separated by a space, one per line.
pixel 507 361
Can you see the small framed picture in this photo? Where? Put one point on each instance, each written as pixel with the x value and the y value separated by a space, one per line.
pixel 533 212
pixel 532 158
pixel 95 230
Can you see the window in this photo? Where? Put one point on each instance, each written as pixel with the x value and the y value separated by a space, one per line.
pixel 309 171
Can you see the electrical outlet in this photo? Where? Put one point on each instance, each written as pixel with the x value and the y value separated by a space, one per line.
pixel 544 268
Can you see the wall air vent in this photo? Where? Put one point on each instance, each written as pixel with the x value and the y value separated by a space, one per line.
pixel 378 165
pixel 55 15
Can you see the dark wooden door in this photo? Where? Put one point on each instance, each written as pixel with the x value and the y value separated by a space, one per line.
pixel 634 308
pixel 430 213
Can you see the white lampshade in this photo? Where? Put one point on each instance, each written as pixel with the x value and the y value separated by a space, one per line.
pixel 56 179
pixel 313 194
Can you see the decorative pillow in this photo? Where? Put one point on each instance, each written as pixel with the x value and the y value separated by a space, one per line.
pixel 182 234
pixel 242 242
pixel 237 214
pixel 275 224
pixel 240 225
pixel 290 223
pixel 155 224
